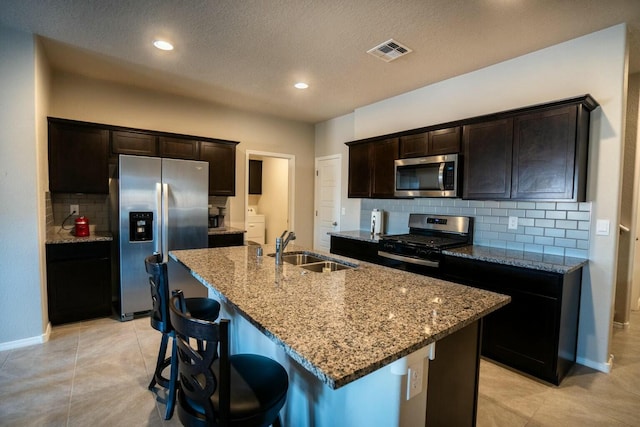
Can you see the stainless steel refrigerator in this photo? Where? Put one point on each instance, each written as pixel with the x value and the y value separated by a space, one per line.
pixel 158 205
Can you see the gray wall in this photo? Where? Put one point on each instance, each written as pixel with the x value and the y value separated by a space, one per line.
pixel 21 304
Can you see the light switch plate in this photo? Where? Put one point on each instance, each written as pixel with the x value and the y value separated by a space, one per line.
pixel 602 227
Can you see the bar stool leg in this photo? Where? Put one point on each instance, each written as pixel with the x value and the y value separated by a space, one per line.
pixel 173 381
pixel 160 364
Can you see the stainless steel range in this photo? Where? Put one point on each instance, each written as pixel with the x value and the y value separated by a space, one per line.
pixel 428 236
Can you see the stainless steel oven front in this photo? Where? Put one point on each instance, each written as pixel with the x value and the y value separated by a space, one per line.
pixel 432 176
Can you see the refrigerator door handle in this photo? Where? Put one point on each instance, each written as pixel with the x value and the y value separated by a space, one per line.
pixel 165 222
pixel 158 231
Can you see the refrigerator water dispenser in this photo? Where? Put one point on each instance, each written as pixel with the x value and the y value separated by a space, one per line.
pixel 140 226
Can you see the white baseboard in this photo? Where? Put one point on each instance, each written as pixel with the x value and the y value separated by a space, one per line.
pixel 40 339
pixel 620 325
pixel 602 367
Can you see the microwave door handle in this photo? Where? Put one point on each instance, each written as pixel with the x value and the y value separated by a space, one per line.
pixel 441 176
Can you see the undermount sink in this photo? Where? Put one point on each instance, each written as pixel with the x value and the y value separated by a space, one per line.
pixel 325 266
pixel 298 259
pixel 315 262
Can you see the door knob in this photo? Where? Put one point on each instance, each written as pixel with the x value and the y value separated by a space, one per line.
pixel 334 223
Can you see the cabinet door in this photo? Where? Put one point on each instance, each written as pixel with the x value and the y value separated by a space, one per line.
pixel 523 334
pixel 255 176
pixel 359 170
pixel 135 143
pixel 544 152
pixel 222 167
pixel 78 281
pixel 383 155
pixel 178 148
pixel 78 159
pixel 487 160
pixel 435 142
pixel 414 145
pixel 444 141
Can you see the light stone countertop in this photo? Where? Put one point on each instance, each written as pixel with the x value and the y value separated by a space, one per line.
pixel 224 230
pixel 340 325
pixel 57 235
pixel 537 261
pixel 364 236
pixel 533 260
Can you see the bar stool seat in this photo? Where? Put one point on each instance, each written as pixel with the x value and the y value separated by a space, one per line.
pixel 203 308
pixel 219 389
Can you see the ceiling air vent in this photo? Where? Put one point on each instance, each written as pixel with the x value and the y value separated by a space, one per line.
pixel 389 50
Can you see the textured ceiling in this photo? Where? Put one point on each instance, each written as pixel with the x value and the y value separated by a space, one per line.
pixel 248 53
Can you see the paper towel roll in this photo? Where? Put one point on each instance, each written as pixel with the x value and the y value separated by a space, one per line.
pixel 376 221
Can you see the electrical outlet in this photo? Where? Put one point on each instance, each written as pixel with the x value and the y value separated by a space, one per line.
pixel 513 223
pixel 414 379
pixel 74 208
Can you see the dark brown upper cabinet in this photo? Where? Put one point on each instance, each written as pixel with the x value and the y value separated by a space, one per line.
pixel 538 153
pixel 532 153
pixel 255 176
pixel 179 148
pixel 133 143
pixel 359 170
pixel 222 167
pixel 544 155
pixel 79 155
pixel 78 158
pixel 435 142
pixel 487 149
pixel 371 168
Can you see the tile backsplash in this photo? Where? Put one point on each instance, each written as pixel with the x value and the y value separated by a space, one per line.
pixel 93 206
pixel 556 228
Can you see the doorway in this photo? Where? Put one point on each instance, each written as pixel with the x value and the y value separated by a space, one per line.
pixel 273 200
pixel 327 200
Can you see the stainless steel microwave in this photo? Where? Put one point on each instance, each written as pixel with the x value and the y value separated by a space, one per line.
pixel 433 176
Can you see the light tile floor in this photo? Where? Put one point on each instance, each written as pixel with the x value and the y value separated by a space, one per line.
pixel 95 373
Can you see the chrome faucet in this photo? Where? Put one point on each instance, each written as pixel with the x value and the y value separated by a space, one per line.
pixel 281 245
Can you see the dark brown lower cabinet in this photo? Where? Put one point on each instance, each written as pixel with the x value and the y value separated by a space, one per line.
pixel 78 281
pixel 222 240
pixel 537 332
pixel 452 390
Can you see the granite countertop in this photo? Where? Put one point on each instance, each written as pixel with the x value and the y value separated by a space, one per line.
pixel 57 235
pixel 340 325
pixel 537 261
pixel 365 236
pixel 225 230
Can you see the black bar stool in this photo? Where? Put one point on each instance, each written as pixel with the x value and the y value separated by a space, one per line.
pixel 217 389
pixel 204 308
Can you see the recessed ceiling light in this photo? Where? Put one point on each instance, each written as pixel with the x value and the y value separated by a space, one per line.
pixel 163 45
pixel 301 85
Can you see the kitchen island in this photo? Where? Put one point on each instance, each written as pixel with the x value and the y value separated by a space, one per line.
pixel 345 337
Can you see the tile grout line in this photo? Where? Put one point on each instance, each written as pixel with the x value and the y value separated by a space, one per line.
pixel 73 380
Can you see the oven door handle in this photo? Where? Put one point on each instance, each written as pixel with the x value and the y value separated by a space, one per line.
pixel 409 259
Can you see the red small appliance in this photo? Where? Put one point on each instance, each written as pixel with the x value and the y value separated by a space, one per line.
pixel 82 226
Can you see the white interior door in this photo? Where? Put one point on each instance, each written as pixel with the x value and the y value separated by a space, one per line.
pixel 327 200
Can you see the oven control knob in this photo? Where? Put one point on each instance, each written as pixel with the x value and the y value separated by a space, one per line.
pixel 423 252
pixel 388 245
